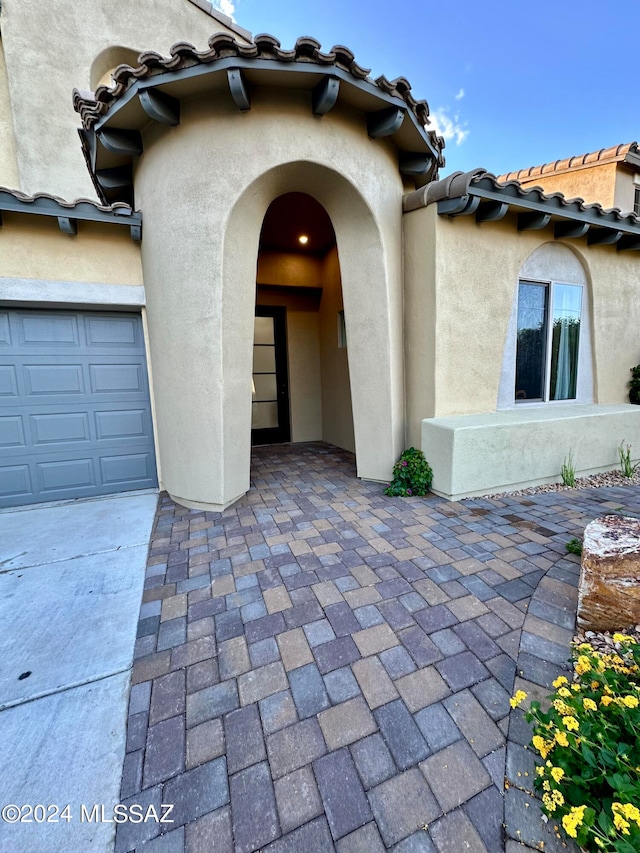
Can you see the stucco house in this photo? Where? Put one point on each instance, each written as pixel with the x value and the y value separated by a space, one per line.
pixel 241 242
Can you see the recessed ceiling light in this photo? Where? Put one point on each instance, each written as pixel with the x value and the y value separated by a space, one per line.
pixel 303 239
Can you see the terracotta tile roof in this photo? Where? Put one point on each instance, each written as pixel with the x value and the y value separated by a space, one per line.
pixel 21 202
pixel 462 193
pixel 223 46
pixel 69 213
pixel 605 155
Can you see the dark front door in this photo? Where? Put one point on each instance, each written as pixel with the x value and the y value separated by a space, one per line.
pixel 270 398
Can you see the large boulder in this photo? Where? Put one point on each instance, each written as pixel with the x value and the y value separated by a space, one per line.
pixel 609 592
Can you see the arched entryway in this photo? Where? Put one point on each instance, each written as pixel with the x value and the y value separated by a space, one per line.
pixel 371 297
pixel 301 389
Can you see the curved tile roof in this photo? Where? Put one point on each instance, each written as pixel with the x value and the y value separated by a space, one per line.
pixel 92 107
pixel 69 213
pixel 604 155
pixel 481 183
pixel 19 201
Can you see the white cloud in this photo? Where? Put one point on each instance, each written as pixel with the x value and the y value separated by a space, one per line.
pixel 448 126
pixel 227 7
pixel 460 95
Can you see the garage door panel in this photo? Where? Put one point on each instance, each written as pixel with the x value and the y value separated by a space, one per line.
pixel 11 431
pixel 49 379
pixel 65 474
pixel 121 332
pixel 75 415
pixel 130 423
pixel 8 381
pixel 125 469
pixel 116 378
pixel 5 333
pixel 15 481
pixel 55 330
pixel 60 428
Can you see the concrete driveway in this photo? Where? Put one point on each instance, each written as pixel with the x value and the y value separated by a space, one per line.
pixel 71 581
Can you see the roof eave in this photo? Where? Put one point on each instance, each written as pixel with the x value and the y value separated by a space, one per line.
pixel 69 213
pixel 478 194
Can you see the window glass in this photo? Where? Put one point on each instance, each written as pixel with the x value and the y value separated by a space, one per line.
pixel 548 341
pixel 532 339
pixel 565 338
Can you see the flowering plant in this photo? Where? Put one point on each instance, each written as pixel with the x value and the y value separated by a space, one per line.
pixel 589 743
pixel 412 475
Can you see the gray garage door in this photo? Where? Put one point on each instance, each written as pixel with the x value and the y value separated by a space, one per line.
pixel 75 418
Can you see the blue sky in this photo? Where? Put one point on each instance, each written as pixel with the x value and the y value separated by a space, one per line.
pixel 512 84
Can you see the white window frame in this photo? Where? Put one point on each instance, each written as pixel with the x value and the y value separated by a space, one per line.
pixel 549 263
pixel 551 286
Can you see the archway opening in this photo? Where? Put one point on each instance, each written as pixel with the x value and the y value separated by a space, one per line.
pixel 301 389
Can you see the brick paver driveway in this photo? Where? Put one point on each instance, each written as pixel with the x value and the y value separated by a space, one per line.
pixel 323 668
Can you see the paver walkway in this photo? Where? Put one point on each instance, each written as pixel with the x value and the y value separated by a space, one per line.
pixel 321 667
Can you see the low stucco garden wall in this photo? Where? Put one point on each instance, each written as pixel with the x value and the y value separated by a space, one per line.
pixel 503 451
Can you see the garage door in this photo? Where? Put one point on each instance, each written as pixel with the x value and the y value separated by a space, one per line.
pixel 75 417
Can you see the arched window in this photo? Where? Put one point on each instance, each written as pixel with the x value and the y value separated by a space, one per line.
pixel 548 352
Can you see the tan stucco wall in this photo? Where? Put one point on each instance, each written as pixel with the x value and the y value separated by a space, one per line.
pixel 205 187
pixel 287 268
pixel 8 162
pixel 476 271
pixel 625 190
pixel 503 451
pixel 463 300
pixel 50 48
pixel 420 317
pixel 337 416
pixel 457 342
pixel 597 183
pixel 615 278
pixel 33 247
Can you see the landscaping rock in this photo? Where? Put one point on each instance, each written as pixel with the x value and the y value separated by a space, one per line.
pixel 609 590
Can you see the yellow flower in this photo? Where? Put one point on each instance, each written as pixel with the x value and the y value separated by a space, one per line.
pixel 518 699
pixel 606 700
pixel 620 823
pixel 561 738
pixel 557 773
pixel 561 707
pixel 571 723
pixel 564 692
pixel 629 811
pixel 546 785
pixel 560 680
pixel 630 701
pixel 572 821
pixel 623 638
pixel 589 705
pixel 538 742
pixel 540 770
pixel 583 665
pixel 576 688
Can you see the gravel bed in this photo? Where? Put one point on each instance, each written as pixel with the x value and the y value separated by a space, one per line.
pixel 595 481
pixel 602 641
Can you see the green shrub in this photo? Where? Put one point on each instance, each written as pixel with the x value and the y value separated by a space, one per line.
pixel 574 546
pixel 634 385
pixel 412 475
pixel 568 471
pixel 589 743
